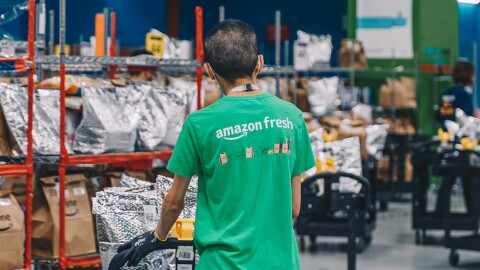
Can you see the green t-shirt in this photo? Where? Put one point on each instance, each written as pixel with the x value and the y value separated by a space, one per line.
pixel 245 150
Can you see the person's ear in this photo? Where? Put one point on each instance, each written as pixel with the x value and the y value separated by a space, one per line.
pixel 209 71
pixel 260 63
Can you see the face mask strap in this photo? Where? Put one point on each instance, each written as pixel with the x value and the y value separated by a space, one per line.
pixel 216 81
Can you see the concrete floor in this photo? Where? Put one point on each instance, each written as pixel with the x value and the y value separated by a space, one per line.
pixel 393 247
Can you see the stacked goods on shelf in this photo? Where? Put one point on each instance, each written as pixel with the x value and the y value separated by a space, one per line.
pixel 79 232
pixel 337 155
pixel 110 120
pixel 132 209
pixel 311 122
pixel 5 144
pixel 398 93
pixel 302 95
pixel 353 48
pixel 311 51
pixel 114 119
pixel 16 185
pixel 347 124
pixel 12 233
pixel 13 99
pixel 323 95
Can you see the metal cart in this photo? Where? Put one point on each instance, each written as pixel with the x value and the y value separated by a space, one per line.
pixel 317 212
pixel 453 164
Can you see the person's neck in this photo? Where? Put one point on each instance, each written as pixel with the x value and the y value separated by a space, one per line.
pixel 240 82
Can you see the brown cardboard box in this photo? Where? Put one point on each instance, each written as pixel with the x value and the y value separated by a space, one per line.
pixel 79 235
pixel 399 93
pixel 12 232
pixel 348 47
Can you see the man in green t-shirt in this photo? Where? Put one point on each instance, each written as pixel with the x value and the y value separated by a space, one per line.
pixel 248 149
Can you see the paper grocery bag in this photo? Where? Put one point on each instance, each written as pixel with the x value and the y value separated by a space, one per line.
pixel 17 186
pixel 80 236
pixel 12 232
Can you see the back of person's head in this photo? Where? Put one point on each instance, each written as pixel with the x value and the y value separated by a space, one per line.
pixel 231 49
pixel 463 73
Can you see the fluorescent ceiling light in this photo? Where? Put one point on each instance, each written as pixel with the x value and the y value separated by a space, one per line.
pixel 469 1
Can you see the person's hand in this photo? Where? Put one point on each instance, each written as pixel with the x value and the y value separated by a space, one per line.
pixel 136 249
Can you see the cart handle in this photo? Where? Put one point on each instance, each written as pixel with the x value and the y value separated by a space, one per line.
pixel 417 146
pixel 448 151
pixel 328 175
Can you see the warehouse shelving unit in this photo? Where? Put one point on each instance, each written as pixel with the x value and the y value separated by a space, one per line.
pixel 66 159
pixel 15 65
pixel 25 165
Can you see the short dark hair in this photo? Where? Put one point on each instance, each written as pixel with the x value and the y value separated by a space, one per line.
pixel 137 53
pixel 231 49
pixel 463 72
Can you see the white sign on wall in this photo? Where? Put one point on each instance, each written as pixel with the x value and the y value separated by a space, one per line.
pixel 385 28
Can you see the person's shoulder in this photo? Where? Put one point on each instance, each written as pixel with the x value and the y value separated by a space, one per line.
pixel 454 90
pixel 286 105
pixel 205 112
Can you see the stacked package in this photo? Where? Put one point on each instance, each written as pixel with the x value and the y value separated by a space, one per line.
pixel 128 211
pixel 13 99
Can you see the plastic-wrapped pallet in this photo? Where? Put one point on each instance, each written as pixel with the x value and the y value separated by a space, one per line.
pixel 110 120
pixel 46 140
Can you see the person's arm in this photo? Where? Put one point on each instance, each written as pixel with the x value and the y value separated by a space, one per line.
pixel 296 195
pixel 173 205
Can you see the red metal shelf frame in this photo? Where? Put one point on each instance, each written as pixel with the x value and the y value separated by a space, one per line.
pixel 66 160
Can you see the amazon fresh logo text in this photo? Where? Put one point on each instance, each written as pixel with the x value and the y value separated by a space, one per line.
pixel 236 132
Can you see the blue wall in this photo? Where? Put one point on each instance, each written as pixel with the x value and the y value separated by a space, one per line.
pixel 134 19
pixel 469 30
pixel 469 23
pixel 319 17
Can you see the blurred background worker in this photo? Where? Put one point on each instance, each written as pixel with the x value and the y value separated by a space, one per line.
pixel 459 96
pixel 139 74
